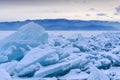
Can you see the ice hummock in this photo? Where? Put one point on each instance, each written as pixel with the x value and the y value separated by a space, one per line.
pixel 29 54
pixel 34 56
pixel 15 46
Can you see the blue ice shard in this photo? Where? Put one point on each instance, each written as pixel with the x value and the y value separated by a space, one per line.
pixel 17 44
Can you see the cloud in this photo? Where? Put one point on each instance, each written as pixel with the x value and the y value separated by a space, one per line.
pixel 40 2
pixel 31 2
pixel 35 9
pixel 88 14
pixel 101 14
pixel 52 11
pixel 117 10
pixel 92 9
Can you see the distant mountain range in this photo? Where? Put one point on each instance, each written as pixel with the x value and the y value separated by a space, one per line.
pixel 64 24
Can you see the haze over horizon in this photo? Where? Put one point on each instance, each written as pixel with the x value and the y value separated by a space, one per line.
pixel 19 10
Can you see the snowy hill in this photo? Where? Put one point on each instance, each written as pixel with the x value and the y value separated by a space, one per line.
pixel 64 24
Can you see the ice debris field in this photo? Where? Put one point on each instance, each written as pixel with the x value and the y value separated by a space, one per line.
pixel 31 54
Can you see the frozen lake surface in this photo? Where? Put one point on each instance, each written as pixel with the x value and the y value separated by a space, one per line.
pixel 64 33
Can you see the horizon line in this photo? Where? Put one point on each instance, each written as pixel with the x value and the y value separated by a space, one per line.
pixel 58 19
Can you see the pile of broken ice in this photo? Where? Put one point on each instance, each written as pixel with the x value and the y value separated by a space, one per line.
pixel 30 53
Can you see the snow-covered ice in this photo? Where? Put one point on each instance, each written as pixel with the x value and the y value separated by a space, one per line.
pixel 32 54
pixel 97 74
pixel 4 75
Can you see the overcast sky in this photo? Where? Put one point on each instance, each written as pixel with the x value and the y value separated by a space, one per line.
pixel 12 10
